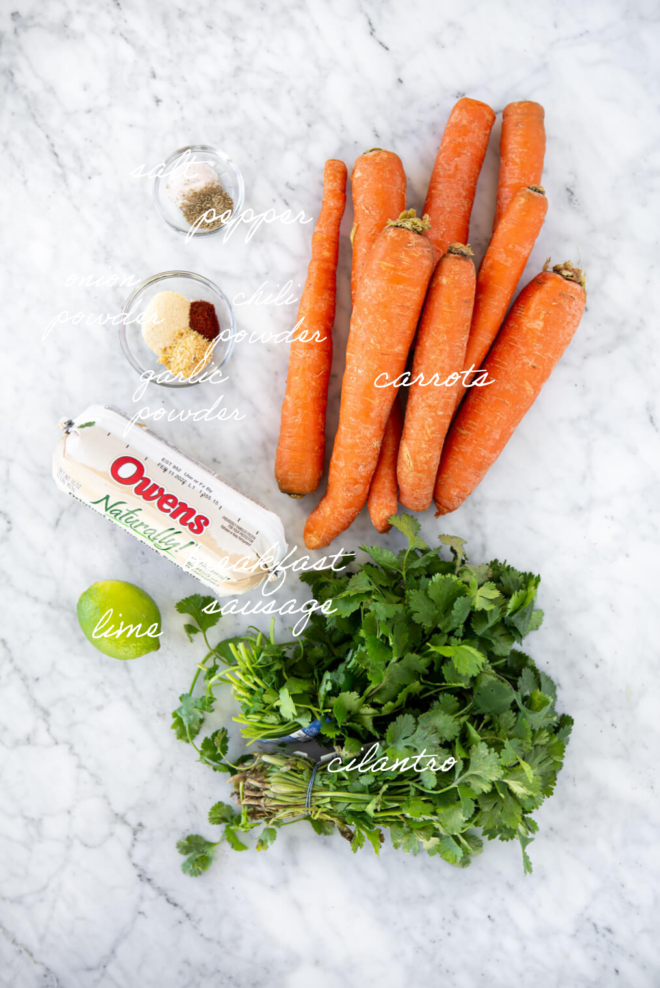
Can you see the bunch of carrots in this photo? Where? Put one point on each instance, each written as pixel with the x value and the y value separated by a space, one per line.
pixel 476 371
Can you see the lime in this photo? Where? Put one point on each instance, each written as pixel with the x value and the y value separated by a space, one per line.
pixel 119 619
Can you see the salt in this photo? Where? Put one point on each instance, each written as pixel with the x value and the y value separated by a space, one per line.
pixel 189 178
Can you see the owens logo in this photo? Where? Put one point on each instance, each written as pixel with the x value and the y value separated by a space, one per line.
pixel 129 471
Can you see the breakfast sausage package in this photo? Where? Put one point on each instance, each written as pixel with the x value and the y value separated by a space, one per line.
pixel 168 501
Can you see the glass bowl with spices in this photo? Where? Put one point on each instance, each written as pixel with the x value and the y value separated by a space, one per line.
pixel 198 190
pixel 177 329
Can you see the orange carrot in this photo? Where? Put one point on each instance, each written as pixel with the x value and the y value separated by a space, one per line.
pixel 379 194
pixel 501 268
pixel 522 149
pixel 387 307
pixel 439 353
pixel 301 447
pixel 538 329
pixel 456 171
pixel 383 492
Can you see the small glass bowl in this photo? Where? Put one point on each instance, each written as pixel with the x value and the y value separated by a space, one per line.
pixel 229 174
pixel 193 286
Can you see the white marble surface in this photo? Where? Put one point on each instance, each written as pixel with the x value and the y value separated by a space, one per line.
pixel 95 789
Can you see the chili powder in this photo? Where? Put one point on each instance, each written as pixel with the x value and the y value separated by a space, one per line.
pixel 203 320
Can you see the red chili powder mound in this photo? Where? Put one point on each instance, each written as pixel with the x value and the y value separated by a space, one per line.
pixel 204 320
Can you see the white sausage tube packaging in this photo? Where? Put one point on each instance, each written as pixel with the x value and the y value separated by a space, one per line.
pixel 168 501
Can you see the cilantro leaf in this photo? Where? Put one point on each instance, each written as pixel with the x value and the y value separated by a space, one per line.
pixel 485 596
pixel 199 853
pixel 483 770
pixel 194 607
pixel 442 722
pixel 359 583
pixel 565 727
pixel 524 844
pixel 266 838
pixel 409 527
pixel 345 606
pixel 383 557
pixel 428 779
pixel 213 750
pixel 423 609
pixel 527 681
pixel 449 811
pixel 189 717
pixel 286 704
pixel 467 660
pixel 233 840
pixel 378 651
pixel 457 546
pixel 400 731
pixel 222 813
pixel 460 613
pixel 449 849
pixel 524 621
pixel 345 705
pixel 492 695
pixel 445 591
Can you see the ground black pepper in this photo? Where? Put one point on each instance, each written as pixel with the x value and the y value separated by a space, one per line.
pixel 211 197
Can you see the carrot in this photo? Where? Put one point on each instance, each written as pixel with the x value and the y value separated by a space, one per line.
pixel 456 171
pixel 538 329
pixel 379 194
pixel 383 492
pixel 501 268
pixel 300 453
pixel 387 306
pixel 441 340
pixel 522 149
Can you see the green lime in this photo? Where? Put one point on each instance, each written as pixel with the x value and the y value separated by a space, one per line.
pixel 119 619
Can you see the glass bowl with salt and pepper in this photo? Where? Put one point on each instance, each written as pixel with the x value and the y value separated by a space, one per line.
pixel 198 189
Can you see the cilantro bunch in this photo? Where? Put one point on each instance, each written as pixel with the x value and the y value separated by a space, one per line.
pixel 418 656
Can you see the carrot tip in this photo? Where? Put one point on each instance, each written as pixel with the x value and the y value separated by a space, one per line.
pixel 409 220
pixel 463 250
pixel 537 188
pixel 568 271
